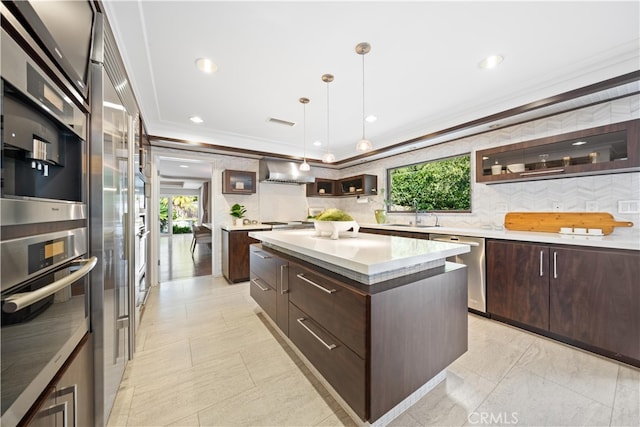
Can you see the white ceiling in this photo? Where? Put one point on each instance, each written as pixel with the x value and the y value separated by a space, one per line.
pixel 421 76
pixel 177 172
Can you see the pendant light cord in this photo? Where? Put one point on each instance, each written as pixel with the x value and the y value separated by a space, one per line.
pixel 328 131
pixel 363 97
pixel 304 131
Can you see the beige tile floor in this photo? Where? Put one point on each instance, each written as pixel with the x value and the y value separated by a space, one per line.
pixel 206 357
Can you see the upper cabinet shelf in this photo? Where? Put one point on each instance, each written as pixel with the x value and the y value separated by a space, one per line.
pixel 238 182
pixel 360 185
pixel 605 149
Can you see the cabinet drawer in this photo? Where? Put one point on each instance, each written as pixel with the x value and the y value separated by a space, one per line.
pixel 263 294
pixel 338 309
pixel 340 366
pixel 263 265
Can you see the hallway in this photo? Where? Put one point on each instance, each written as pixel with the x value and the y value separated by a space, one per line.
pixel 176 261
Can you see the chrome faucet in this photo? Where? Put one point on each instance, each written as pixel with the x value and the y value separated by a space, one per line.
pixel 436 224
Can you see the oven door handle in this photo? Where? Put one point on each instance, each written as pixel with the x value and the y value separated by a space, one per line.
pixel 19 301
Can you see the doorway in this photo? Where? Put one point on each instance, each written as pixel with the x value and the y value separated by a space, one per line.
pixel 178 215
pixel 180 198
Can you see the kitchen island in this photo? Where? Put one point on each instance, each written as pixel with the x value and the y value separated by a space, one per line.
pixel 377 318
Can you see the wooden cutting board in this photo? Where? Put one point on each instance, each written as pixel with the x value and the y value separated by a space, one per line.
pixel 552 221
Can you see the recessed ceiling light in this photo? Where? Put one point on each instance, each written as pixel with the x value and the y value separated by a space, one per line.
pixel 579 143
pixel 491 61
pixel 196 119
pixel 317 143
pixel 206 65
pixel 371 118
pixel 184 166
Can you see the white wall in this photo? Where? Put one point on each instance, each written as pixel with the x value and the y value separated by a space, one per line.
pixel 573 193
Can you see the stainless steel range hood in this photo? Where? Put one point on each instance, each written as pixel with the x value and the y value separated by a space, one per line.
pixel 283 172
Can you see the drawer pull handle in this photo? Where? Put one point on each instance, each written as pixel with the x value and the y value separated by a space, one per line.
pixel 283 291
pixel 541 263
pixel 329 346
pixel 329 291
pixel 255 282
pixel 262 256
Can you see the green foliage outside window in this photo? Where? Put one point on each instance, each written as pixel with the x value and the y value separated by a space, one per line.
pixel 438 185
pixel 184 212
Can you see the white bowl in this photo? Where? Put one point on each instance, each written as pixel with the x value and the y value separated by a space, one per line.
pixel 335 227
pixel 515 167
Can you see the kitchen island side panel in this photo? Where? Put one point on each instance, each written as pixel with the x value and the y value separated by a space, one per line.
pixel 417 330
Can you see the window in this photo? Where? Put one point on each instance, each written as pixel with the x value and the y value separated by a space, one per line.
pixel 436 185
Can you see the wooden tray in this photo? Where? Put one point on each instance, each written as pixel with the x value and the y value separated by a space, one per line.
pixel 552 221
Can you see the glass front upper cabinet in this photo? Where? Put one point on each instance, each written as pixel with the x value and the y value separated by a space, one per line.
pixel 605 149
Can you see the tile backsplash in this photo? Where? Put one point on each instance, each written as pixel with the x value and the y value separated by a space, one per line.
pixel 489 202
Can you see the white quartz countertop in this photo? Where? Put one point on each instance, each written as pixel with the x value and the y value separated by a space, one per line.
pixel 248 227
pixel 619 239
pixel 366 254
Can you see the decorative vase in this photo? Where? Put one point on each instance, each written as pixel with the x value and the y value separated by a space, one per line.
pixel 238 222
pixel 381 216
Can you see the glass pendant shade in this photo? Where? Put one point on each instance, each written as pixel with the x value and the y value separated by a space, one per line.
pixel 364 145
pixel 328 158
pixel 304 166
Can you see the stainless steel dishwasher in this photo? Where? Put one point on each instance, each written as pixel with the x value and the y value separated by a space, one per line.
pixel 475 262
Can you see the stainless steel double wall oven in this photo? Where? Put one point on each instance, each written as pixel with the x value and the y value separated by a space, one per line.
pixel 44 237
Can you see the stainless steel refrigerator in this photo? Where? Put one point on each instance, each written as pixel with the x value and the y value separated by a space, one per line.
pixel 111 220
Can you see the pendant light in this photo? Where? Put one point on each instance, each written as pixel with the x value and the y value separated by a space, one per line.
pixel 304 166
pixel 362 49
pixel 328 156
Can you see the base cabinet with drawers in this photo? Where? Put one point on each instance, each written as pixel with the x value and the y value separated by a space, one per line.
pixel 585 296
pixel 235 254
pixel 375 345
pixel 269 285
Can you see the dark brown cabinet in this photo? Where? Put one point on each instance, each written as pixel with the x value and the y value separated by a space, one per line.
pixel 328 323
pixel 584 296
pixel 338 364
pixel 371 354
pixel 235 255
pixel 270 285
pixel 360 185
pixel 366 185
pixel 604 149
pixel 595 298
pixel 518 282
pixel 338 309
pixel 321 187
pixel 238 182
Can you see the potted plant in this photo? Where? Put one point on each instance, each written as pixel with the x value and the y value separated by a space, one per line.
pixel 334 221
pixel 238 211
